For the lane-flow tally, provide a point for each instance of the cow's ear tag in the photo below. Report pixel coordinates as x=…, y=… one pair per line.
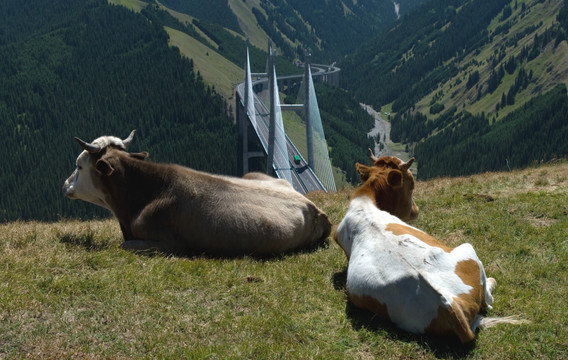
x=394, y=178
x=363, y=171
x=104, y=167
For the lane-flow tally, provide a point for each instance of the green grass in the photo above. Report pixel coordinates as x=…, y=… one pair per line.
x=134, y=5
x=215, y=69
x=68, y=291
x=247, y=21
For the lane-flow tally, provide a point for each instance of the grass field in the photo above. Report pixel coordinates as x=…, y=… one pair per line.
x=134, y=5
x=247, y=21
x=68, y=291
x=215, y=69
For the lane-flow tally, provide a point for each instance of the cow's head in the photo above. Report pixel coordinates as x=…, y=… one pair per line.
x=83, y=183
x=389, y=183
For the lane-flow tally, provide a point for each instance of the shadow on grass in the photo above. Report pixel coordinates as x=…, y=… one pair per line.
x=220, y=255
x=440, y=346
x=88, y=241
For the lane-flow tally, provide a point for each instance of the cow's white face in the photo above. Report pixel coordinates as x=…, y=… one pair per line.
x=82, y=183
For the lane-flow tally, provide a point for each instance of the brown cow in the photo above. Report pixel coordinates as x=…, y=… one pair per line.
x=176, y=209
x=401, y=273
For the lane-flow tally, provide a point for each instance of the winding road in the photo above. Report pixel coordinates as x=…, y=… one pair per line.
x=382, y=128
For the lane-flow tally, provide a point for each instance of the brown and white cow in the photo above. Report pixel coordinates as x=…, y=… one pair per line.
x=401, y=273
x=176, y=209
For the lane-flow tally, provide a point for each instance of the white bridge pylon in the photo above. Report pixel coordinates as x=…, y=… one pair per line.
x=283, y=158
x=321, y=163
x=249, y=97
x=280, y=152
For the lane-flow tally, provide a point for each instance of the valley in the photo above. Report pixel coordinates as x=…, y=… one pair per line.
x=460, y=101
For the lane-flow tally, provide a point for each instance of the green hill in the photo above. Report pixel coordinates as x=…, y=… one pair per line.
x=435, y=69
x=453, y=71
x=90, y=68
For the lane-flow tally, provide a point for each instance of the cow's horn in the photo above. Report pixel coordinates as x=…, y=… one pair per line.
x=372, y=156
x=406, y=165
x=93, y=149
x=126, y=142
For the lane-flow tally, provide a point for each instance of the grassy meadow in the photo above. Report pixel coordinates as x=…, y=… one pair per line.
x=68, y=291
x=215, y=69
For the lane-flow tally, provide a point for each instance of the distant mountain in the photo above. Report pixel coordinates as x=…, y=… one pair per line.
x=451, y=72
x=87, y=68
x=216, y=31
x=329, y=29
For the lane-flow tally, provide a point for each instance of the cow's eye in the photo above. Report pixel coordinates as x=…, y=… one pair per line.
x=79, y=167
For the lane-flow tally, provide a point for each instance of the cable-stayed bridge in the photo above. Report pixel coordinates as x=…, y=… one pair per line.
x=283, y=158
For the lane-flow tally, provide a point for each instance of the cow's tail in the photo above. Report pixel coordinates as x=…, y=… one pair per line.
x=488, y=322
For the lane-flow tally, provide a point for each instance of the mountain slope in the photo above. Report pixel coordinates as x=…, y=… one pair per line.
x=327, y=28
x=84, y=68
x=449, y=61
x=510, y=38
x=216, y=70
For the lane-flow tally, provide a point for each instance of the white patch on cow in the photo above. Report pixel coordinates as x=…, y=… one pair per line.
x=105, y=141
x=410, y=277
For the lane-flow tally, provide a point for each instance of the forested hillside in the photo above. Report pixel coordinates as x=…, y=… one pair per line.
x=538, y=131
x=326, y=28
x=214, y=11
x=85, y=68
x=410, y=59
x=456, y=75
x=469, y=85
x=329, y=29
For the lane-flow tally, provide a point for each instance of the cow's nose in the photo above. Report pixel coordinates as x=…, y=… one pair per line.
x=67, y=190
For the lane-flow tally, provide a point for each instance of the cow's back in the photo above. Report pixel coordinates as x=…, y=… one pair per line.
x=404, y=279
x=232, y=215
x=402, y=273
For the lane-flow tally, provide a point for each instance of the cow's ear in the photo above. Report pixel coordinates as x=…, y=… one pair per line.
x=363, y=171
x=104, y=167
x=140, y=156
x=394, y=179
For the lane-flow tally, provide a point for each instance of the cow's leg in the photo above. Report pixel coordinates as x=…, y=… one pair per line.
x=452, y=319
x=491, y=284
